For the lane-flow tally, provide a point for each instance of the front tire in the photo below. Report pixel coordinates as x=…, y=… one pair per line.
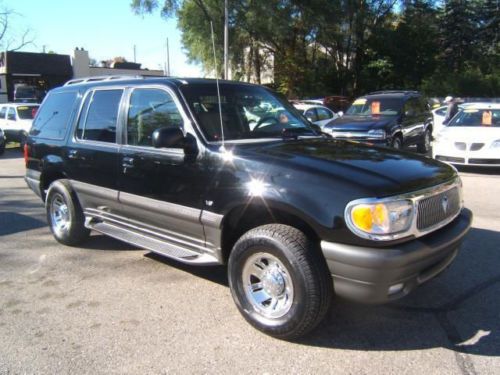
x=425, y=145
x=279, y=281
x=397, y=142
x=65, y=215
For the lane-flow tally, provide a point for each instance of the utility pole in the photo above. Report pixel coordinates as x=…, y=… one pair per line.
x=226, y=41
x=134, y=54
x=168, y=60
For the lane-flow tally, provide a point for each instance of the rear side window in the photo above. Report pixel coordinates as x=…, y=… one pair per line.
x=11, y=114
x=3, y=111
x=52, y=119
x=99, y=115
x=324, y=114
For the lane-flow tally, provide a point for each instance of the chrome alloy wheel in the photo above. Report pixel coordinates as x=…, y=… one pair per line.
x=268, y=285
x=59, y=214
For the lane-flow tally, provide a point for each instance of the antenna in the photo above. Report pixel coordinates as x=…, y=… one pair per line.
x=218, y=90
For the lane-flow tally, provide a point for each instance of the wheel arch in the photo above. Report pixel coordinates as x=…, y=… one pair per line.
x=242, y=218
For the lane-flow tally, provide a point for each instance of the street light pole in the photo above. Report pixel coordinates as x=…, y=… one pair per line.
x=226, y=41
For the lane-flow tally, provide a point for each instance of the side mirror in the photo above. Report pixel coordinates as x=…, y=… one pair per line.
x=340, y=113
x=168, y=137
x=309, y=119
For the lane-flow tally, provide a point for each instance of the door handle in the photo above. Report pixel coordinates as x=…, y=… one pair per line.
x=127, y=162
x=73, y=154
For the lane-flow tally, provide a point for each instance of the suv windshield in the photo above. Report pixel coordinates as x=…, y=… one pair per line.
x=477, y=117
x=248, y=112
x=375, y=106
x=27, y=112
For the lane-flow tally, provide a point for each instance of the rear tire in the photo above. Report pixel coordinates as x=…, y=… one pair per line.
x=23, y=137
x=279, y=281
x=65, y=215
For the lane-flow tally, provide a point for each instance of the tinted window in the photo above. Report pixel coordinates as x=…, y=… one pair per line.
x=412, y=107
x=3, y=112
x=52, y=119
x=150, y=109
x=311, y=115
x=11, y=114
x=98, y=118
x=27, y=112
x=385, y=106
x=323, y=114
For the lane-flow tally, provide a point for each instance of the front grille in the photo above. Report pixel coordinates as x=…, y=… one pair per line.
x=460, y=146
x=450, y=159
x=476, y=146
x=484, y=161
x=437, y=208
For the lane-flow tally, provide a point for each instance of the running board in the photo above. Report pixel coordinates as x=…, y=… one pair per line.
x=152, y=244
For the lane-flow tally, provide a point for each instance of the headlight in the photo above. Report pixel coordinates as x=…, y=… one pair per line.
x=379, y=219
x=496, y=144
x=377, y=134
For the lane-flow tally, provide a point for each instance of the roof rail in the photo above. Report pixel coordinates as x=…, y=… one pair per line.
x=77, y=81
x=393, y=92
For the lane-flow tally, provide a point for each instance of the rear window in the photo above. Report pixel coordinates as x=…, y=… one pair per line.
x=27, y=112
x=52, y=119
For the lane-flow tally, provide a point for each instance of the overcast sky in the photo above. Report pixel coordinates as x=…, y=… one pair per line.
x=105, y=28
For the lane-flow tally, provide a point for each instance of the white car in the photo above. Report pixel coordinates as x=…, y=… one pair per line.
x=317, y=114
x=16, y=119
x=438, y=116
x=472, y=137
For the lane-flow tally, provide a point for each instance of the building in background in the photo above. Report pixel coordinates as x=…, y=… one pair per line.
x=27, y=76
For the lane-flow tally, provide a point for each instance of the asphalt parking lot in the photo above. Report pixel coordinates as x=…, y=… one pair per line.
x=107, y=307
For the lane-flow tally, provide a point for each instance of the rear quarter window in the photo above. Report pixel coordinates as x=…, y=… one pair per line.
x=52, y=119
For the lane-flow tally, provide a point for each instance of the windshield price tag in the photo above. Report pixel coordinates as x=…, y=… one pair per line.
x=359, y=102
x=486, y=118
x=375, y=108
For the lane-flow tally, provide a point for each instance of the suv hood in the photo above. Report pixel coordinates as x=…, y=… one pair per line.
x=359, y=123
x=376, y=171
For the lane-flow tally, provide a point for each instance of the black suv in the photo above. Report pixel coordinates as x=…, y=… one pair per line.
x=171, y=166
x=388, y=118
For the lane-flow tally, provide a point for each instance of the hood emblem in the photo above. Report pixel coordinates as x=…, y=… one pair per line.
x=444, y=203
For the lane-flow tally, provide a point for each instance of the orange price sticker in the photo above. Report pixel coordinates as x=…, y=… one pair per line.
x=375, y=108
x=486, y=118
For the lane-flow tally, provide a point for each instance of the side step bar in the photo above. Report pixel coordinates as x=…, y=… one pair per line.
x=152, y=244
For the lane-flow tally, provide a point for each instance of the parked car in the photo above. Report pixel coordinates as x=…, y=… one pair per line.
x=16, y=120
x=315, y=113
x=296, y=215
x=472, y=137
x=337, y=103
x=388, y=118
x=2, y=142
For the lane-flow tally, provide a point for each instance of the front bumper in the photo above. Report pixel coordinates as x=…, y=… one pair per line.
x=379, y=275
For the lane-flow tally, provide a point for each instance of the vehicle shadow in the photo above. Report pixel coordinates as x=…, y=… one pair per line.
x=11, y=153
x=18, y=223
x=458, y=310
x=216, y=274
x=479, y=170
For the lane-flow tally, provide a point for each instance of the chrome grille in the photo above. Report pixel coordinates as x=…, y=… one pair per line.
x=437, y=208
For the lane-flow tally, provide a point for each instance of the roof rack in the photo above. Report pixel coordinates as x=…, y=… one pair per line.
x=393, y=92
x=77, y=81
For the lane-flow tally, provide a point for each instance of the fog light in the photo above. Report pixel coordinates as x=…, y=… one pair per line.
x=396, y=288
